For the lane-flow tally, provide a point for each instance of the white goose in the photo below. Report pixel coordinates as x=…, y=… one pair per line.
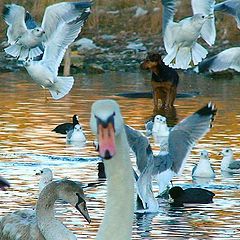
x=107, y=124
x=40, y=224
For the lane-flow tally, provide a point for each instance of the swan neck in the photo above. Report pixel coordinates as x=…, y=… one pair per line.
x=119, y=209
x=48, y=225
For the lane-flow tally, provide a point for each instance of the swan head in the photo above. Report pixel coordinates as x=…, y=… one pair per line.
x=72, y=193
x=226, y=152
x=106, y=123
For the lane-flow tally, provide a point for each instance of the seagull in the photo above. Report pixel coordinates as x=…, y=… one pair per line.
x=168, y=164
x=228, y=163
x=203, y=169
x=180, y=38
x=76, y=135
x=25, y=38
x=230, y=7
x=227, y=59
x=159, y=130
x=65, y=127
x=45, y=71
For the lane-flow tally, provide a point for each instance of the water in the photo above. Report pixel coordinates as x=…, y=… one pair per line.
x=28, y=144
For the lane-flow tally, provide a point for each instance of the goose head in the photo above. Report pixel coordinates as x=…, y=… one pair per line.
x=72, y=193
x=106, y=123
x=75, y=119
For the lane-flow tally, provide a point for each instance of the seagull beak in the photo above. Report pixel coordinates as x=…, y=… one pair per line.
x=106, y=138
x=82, y=208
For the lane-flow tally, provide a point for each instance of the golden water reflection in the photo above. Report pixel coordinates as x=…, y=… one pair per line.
x=28, y=144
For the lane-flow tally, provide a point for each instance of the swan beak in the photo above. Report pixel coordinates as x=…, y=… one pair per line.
x=82, y=208
x=106, y=139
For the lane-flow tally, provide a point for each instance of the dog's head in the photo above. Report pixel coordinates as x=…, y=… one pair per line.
x=151, y=61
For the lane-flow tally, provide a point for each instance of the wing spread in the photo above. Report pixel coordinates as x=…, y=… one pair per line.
x=58, y=13
x=168, y=12
x=62, y=37
x=208, y=31
x=14, y=16
x=184, y=135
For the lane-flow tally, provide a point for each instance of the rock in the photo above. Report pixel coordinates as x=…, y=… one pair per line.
x=140, y=12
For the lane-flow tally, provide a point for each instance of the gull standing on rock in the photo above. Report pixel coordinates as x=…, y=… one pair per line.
x=180, y=38
x=45, y=71
x=25, y=41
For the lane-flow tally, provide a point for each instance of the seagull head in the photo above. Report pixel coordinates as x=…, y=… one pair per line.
x=204, y=154
x=78, y=127
x=160, y=119
x=200, y=19
x=38, y=32
x=226, y=152
x=27, y=62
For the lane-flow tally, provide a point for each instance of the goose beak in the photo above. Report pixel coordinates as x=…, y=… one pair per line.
x=82, y=208
x=106, y=138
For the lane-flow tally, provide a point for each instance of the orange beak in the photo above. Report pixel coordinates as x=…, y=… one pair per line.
x=106, y=138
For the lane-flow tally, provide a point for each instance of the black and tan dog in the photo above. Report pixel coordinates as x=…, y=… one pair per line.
x=164, y=80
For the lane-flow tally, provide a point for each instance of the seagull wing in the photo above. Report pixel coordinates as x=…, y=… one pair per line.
x=208, y=31
x=184, y=135
x=229, y=58
x=140, y=145
x=29, y=21
x=62, y=37
x=14, y=16
x=65, y=12
x=168, y=12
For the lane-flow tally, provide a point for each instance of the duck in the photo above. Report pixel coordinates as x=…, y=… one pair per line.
x=46, y=176
x=228, y=163
x=41, y=224
x=203, y=168
x=107, y=125
x=190, y=195
x=66, y=127
x=76, y=135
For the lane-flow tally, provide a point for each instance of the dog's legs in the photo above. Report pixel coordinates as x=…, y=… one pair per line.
x=155, y=100
x=173, y=95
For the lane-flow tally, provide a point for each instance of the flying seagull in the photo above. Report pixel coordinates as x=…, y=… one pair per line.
x=166, y=165
x=180, y=38
x=26, y=38
x=45, y=71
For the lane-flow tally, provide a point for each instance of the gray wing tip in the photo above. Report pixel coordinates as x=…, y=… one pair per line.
x=6, y=10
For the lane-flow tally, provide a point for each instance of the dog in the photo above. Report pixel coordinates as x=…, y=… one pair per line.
x=164, y=80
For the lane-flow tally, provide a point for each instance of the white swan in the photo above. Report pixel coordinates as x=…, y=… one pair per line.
x=107, y=123
x=41, y=224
